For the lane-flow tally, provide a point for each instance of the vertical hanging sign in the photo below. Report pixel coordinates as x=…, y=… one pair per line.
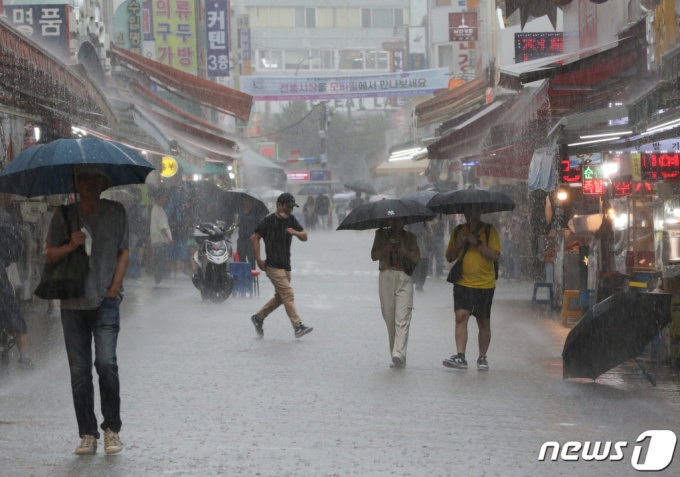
x=217, y=29
x=244, y=47
x=174, y=27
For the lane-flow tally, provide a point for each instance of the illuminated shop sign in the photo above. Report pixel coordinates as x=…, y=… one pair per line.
x=593, y=180
x=660, y=166
x=529, y=46
x=623, y=188
x=570, y=171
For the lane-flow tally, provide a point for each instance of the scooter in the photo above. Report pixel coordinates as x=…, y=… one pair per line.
x=212, y=257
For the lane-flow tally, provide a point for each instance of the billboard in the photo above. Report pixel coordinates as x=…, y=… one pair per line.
x=174, y=30
x=127, y=25
x=417, y=48
x=217, y=30
x=47, y=25
x=244, y=46
x=292, y=88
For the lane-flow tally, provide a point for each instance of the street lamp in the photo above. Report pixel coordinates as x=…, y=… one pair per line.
x=300, y=63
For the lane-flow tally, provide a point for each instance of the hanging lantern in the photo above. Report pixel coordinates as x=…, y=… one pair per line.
x=562, y=3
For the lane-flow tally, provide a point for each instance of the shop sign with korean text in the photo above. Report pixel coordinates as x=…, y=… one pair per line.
x=320, y=175
x=244, y=45
x=217, y=29
x=463, y=26
x=292, y=88
x=47, y=25
x=127, y=25
x=593, y=179
x=298, y=176
x=530, y=46
x=174, y=29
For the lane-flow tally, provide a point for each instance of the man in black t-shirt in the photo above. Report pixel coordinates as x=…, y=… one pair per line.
x=277, y=230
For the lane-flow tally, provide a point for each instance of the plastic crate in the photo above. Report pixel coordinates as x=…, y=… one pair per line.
x=586, y=297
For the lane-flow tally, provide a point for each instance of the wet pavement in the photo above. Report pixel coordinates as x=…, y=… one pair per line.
x=202, y=395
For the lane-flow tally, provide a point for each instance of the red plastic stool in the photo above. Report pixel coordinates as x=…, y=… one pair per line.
x=236, y=259
x=256, y=282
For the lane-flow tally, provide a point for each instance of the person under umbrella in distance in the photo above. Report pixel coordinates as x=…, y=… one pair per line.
x=398, y=254
x=473, y=292
x=323, y=211
x=277, y=230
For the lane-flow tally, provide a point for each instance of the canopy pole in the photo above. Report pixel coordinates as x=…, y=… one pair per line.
x=651, y=380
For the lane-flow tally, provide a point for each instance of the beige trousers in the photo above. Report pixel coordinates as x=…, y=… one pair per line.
x=396, y=303
x=283, y=295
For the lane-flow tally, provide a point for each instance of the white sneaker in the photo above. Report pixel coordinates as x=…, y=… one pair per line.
x=88, y=445
x=112, y=443
x=398, y=360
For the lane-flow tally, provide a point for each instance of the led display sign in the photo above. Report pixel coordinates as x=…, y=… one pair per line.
x=623, y=188
x=660, y=166
x=570, y=171
x=593, y=179
x=529, y=46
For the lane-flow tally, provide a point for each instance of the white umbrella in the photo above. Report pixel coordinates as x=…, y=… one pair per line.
x=342, y=197
x=271, y=194
x=378, y=197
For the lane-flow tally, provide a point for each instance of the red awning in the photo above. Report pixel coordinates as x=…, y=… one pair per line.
x=36, y=77
x=510, y=162
x=205, y=92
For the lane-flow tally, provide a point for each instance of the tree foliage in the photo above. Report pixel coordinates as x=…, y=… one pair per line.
x=348, y=139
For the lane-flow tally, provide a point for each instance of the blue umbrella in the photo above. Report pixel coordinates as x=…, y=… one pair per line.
x=47, y=169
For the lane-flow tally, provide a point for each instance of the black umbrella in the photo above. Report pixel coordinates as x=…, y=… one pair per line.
x=422, y=196
x=237, y=197
x=313, y=190
x=456, y=201
x=517, y=194
x=614, y=331
x=361, y=186
x=375, y=215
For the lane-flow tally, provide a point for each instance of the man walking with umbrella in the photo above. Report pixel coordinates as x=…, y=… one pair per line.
x=96, y=314
x=278, y=230
x=478, y=246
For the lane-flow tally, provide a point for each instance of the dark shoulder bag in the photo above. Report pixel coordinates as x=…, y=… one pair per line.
x=456, y=272
x=487, y=229
x=66, y=278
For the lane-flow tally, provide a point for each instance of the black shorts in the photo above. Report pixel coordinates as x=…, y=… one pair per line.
x=475, y=300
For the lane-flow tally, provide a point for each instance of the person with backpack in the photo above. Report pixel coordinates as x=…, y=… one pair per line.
x=477, y=246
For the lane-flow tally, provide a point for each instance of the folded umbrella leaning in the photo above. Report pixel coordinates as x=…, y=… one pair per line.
x=375, y=215
x=455, y=202
x=47, y=169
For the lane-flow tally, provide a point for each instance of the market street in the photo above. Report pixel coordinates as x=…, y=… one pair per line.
x=202, y=395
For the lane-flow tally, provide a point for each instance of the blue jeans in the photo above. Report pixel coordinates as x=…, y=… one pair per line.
x=80, y=326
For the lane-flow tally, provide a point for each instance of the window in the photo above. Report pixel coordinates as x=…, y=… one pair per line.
x=398, y=17
x=298, y=60
x=382, y=18
x=310, y=21
x=365, y=18
x=299, y=17
x=327, y=59
x=446, y=57
x=305, y=17
x=351, y=59
x=271, y=59
x=383, y=60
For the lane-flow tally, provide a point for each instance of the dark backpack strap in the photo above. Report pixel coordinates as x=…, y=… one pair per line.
x=67, y=221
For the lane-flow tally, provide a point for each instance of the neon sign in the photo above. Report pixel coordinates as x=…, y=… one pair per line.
x=660, y=166
x=529, y=46
x=593, y=180
x=569, y=173
x=623, y=188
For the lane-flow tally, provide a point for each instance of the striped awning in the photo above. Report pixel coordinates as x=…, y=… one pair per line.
x=203, y=91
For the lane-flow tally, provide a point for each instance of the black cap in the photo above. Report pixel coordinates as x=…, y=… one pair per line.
x=287, y=198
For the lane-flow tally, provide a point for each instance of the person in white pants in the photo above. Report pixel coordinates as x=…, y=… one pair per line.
x=397, y=251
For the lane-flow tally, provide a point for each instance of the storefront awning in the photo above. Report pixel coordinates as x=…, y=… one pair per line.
x=251, y=159
x=203, y=91
x=402, y=167
x=39, y=82
x=454, y=102
x=207, y=169
x=510, y=162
